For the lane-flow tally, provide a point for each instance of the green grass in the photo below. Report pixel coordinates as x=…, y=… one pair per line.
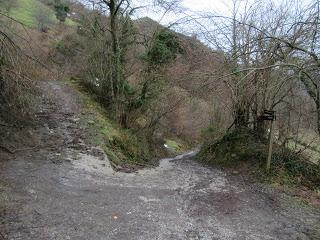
x=26, y=11
x=69, y=22
x=175, y=146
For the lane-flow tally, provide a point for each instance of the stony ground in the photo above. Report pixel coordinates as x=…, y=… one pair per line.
x=66, y=189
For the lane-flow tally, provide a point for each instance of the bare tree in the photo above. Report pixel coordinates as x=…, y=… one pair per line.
x=268, y=49
x=302, y=41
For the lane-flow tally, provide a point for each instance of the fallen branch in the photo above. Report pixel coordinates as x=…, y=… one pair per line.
x=2, y=237
x=6, y=149
x=115, y=166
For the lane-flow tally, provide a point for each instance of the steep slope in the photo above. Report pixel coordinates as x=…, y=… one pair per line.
x=185, y=77
x=30, y=12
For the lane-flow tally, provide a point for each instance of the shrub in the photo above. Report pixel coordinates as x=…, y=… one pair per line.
x=212, y=133
x=296, y=167
x=239, y=145
x=62, y=10
x=164, y=49
x=244, y=147
x=16, y=90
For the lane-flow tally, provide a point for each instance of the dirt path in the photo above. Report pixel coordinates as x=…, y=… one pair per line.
x=66, y=189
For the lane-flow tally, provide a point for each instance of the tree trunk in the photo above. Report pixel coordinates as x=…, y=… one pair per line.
x=261, y=128
x=318, y=113
x=240, y=116
x=115, y=48
x=117, y=79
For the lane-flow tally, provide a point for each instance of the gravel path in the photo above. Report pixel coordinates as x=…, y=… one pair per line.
x=66, y=189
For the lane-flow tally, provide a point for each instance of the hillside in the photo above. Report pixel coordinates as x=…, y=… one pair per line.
x=30, y=12
x=193, y=108
x=184, y=80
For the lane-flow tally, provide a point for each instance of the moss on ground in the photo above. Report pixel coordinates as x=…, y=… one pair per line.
x=243, y=148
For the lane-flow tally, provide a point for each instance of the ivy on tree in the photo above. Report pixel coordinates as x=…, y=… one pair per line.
x=164, y=49
x=62, y=10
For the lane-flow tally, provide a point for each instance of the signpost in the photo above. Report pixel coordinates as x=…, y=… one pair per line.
x=269, y=116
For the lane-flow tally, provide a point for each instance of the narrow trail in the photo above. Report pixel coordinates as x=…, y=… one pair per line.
x=66, y=189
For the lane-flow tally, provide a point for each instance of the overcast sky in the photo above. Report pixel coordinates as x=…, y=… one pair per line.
x=192, y=8
x=187, y=8
x=219, y=6
x=208, y=5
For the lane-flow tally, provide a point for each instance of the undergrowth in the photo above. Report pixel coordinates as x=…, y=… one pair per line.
x=243, y=149
x=17, y=90
x=123, y=146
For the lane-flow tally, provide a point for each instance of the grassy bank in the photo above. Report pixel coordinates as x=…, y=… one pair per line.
x=243, y=150
x=26, y=12
x=124, y=148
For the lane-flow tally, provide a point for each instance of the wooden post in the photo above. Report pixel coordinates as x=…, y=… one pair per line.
x=270, y=146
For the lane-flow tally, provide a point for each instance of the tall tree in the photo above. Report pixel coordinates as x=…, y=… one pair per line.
x=112, y=29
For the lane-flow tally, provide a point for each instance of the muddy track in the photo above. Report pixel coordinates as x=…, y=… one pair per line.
x=66, y=189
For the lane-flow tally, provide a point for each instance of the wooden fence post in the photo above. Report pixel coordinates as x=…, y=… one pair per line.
x=270, y=146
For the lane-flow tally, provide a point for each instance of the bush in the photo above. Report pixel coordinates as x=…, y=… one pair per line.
x=298, y=169
x=244, y=147
x=164, y=49
x=212, y=133
x=129, y=149
x=62, y=10
x=16, y=90
x=69, y=46
x=239, y=145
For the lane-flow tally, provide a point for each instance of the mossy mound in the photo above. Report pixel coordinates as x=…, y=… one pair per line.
x=243, y=148
x=239, y=145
